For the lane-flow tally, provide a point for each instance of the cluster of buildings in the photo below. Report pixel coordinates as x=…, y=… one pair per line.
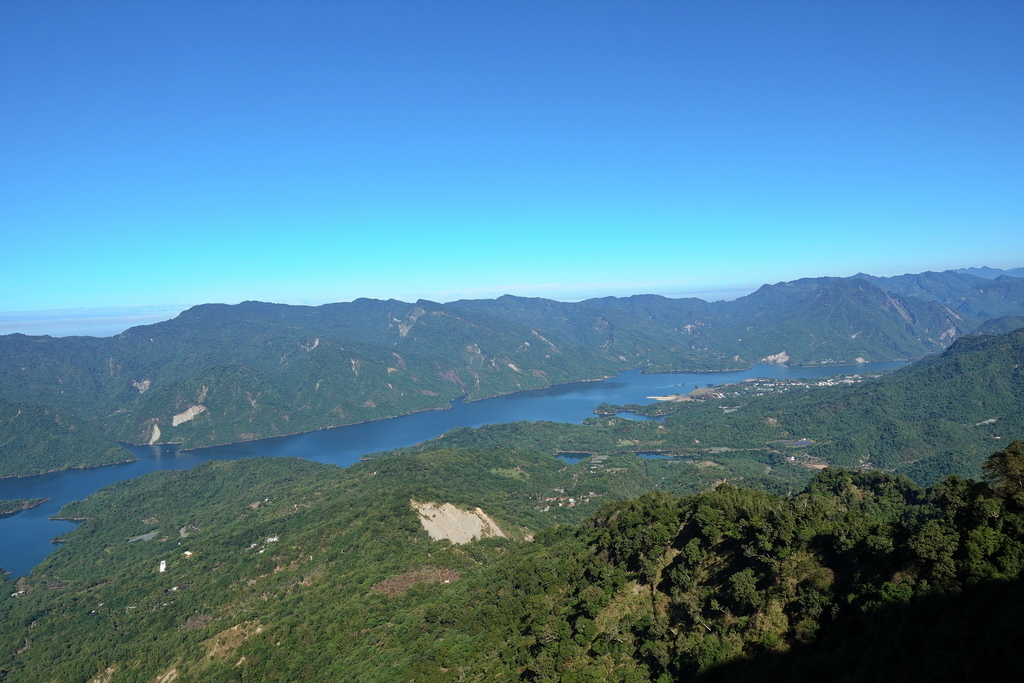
x=565, y=501
x=759, y=386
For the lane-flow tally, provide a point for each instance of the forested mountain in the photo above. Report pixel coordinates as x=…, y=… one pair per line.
x=810, y=322
x=1000, y=325
x=34, y=439
x=220, y=373
x=941, y=415
x=961, y=292
x=284, y=570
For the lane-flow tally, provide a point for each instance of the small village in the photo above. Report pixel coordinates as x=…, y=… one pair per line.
x=564, y=500
x=756, y=386
x=760, y=386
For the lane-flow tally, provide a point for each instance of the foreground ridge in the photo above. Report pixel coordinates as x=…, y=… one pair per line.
x=290, y=568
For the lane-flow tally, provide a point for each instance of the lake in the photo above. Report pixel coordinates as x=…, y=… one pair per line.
x=25, y=537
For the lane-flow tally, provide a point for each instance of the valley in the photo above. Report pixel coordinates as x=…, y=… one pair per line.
x=24, y=540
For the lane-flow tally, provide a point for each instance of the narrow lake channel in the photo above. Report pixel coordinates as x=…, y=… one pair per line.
x=25, y=538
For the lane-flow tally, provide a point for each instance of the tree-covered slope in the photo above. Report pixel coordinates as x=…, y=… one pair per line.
x=938, y=416
x=648, y=331
x=1002, y=325
x=973, y=297
x=224, y=373
x=283, y=570
x=35, y=440
x=834, y=320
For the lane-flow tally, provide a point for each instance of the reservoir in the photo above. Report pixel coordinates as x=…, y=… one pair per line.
x=25, y=538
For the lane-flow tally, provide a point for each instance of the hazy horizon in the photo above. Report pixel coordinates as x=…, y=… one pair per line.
x=111, y=320
x=107, y=321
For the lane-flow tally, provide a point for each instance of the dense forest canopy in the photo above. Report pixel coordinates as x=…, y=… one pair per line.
x=271, y=569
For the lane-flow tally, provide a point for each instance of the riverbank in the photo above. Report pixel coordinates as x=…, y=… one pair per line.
x=464, y=398
x=13, y=507
x=71, y=468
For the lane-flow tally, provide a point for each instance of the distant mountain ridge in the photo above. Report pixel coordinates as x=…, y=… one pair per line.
x=991, y=273
x=220, y=373
x=1001, y=295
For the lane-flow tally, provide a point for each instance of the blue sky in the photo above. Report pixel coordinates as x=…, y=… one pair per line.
x=160, y=154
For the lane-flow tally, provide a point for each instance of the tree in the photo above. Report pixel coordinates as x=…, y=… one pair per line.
x=1005, y=470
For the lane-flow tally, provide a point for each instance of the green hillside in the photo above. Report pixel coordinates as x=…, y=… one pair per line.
x=35, y=440
x=1002, y=325
x=284, y=570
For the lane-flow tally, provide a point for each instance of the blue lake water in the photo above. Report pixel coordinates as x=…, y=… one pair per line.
x=658, y=456
x=25, y=537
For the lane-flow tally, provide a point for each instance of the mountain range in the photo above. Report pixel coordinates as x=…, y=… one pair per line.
x=220, y=373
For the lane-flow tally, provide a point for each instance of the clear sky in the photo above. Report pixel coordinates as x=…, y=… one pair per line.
x=155, y=154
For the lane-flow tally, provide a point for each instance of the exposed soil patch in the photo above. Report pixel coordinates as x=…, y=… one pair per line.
x=398, y=585
x=458, y=526
x=104, y=677
x=197, y=621
x=229, y=640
